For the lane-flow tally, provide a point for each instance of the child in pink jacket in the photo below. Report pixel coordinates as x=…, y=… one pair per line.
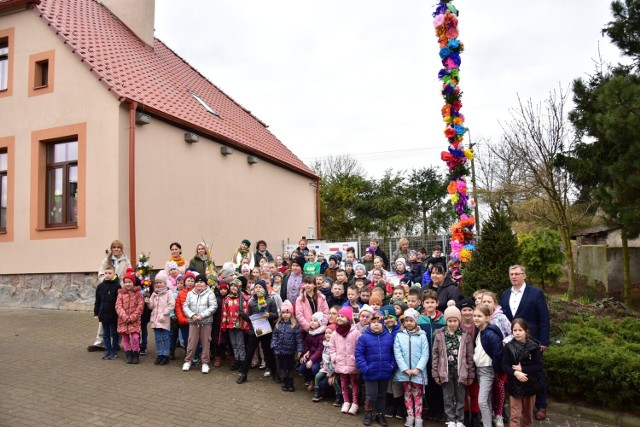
x=161, y=304
x=342, y=349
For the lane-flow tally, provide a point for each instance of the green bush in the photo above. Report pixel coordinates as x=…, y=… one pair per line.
x=597, y=361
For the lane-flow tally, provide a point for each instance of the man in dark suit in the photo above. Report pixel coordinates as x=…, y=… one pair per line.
x=529, y=303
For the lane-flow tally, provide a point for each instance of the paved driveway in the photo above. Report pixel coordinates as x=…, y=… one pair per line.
x=47, y=377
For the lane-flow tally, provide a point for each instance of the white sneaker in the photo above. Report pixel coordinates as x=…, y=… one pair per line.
x=354, y=409
x=345, y=407
x=409, y=422
x=498, y=421
x=186, y=366
x=267, y=373
x=459, y=424
x=452, y=424
x=205, y=368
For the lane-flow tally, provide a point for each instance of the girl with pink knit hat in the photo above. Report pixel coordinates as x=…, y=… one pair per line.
x=342, y=349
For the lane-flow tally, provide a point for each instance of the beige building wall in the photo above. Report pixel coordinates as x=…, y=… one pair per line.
x=77, y=98
x=185, y=192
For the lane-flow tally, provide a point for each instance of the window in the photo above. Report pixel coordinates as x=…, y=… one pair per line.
x=58, y=182
x=6, y=62
x=41, y=73
x=204, y=104
x=4, y=188
x=41, y=78
x=7, y=173
x=62, y=184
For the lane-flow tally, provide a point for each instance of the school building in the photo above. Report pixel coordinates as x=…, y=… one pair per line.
x=106, y=133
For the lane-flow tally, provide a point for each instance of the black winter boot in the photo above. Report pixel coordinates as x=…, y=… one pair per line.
x=242, y=378
x=290, y=386
x=158, y=360
x=135, y=357
x=317, y=394
x=276, y=377
x=129, y=356
x=368, y=417
x=475, y=419
x=381, y=420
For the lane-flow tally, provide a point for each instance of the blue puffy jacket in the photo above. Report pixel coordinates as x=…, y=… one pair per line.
x=411, y=352
x=374, y=355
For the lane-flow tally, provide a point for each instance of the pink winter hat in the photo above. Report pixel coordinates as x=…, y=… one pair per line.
x=347, y=312
x=286, y=306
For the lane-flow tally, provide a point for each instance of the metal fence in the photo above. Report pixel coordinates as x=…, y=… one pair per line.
x=390, y=245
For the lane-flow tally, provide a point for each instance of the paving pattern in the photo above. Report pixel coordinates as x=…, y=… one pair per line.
x=48, y=378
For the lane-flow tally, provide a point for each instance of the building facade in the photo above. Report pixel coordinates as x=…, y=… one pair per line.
x=106, y=133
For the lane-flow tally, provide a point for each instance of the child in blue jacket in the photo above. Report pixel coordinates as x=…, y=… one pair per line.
x=376, y=363
x=286, y=342
x=411, y=350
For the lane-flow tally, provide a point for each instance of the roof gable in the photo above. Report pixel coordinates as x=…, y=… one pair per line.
x=158, y=79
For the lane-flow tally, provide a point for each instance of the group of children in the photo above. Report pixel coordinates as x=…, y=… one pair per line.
x=339, y=334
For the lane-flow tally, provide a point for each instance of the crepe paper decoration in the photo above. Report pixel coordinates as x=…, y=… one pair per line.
x=445, y=22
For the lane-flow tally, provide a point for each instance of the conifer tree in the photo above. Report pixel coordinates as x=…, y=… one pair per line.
x=496, y=251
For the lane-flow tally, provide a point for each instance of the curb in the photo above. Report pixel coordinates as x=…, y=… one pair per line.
x=604, y=416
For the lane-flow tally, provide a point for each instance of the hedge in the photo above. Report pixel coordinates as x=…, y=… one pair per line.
x=596, y=361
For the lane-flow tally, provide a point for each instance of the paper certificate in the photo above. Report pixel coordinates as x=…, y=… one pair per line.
x=261, y=325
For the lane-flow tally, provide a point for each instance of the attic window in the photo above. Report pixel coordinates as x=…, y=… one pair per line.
x=204, y=104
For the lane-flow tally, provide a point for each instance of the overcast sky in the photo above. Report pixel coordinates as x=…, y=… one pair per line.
x=360, y=76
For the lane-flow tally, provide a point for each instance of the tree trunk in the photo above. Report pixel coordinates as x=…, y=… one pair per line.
x=626, y=267
x=568, y=256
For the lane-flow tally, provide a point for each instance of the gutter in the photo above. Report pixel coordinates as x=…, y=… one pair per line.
x=132, y=180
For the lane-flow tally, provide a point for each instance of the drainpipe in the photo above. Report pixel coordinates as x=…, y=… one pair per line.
x=132, y=180
x=319, y=233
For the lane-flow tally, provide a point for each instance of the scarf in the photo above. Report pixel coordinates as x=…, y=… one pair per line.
x=179, y=260
x=316, y=331
x=343, y=330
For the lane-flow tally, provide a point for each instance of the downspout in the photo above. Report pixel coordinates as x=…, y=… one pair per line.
x=132, y=180
x=319, y=233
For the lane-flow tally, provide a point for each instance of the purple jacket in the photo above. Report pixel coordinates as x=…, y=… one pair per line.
x=313, y=345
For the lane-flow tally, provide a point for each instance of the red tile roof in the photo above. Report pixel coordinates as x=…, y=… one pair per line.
x=158, y=79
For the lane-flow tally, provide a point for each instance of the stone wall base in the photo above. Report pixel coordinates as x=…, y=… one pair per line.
x=58, y=291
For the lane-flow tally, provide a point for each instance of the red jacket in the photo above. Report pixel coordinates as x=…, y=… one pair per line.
x=231, y=308
x=180, y=299
x=129, y=306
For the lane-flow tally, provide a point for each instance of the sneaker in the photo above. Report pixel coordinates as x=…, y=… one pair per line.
x=459, y=424
x=205, y=368
x=143, y=351
x=267, y=373
x=263, y=365
x=195, y=360
x=353, y=409
x=498, y=421
x=113, y=356
x=452, y=424
x=186, y=366
x=391, y=412
x=106, y=356
x=345, y=407
x=338, y=401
